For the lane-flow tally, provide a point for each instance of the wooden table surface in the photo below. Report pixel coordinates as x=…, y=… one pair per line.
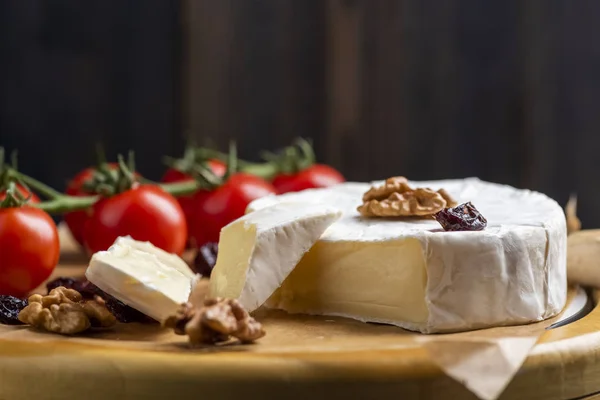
x=301, y=357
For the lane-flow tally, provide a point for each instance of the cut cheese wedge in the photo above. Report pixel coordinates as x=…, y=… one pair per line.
x=410, y=273
x=142, y=276
x=258, y=251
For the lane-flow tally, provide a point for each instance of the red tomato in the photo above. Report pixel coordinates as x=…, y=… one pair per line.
x=24, y=192
x=214, y=209
x=315, y=176
x=187, y=202
x=146, y=213
x=29, y=249
x=76, y=220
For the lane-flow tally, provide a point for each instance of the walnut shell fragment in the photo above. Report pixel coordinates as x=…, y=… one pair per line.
x=63, y=311
x=215, y=321
x=395, y=198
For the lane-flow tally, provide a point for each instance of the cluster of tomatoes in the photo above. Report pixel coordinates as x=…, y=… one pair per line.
x=29, y=245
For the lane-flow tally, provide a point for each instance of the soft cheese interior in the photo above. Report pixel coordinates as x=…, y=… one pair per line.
x=410, y=273
x=258, y=251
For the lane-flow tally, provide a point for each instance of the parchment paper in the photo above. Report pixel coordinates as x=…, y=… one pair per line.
x=484, y=361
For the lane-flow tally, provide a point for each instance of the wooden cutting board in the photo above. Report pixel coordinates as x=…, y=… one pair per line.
x=301, y=357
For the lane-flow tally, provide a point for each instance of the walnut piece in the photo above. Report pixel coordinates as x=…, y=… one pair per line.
x=450, y=202
x=98, y=314
x=395, y=198
x=64, y=311
x=215, y=321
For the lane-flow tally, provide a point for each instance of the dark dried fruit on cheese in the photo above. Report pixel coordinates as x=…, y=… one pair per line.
x=10, y=307
x=205, y=260
x=463, y=217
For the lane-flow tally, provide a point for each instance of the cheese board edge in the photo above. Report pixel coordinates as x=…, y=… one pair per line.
x=561, y=366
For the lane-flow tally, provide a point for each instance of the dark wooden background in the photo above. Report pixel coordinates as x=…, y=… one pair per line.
x=504, y=90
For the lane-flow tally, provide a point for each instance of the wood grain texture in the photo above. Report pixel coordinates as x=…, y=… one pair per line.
x=255, y=71
x=208, y=37
x=428, y=90
x=503, y=91
x=75, y=73
x=301, y=356
x=344, y=94
x=592, y=397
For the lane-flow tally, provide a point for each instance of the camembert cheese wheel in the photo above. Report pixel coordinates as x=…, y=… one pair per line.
x=413, y=274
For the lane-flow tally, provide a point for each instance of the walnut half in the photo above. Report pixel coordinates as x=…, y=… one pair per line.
x=64, y=311
x=395, y=198
x=216, y=320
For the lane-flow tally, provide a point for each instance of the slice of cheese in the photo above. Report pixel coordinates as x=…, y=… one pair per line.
x=412, y=274
x=164, y=257
x=258, y=251
x=142, y=276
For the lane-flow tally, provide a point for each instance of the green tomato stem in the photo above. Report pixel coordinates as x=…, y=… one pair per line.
x=12, y=198
x=178, y=189
x=232, y=161
x=267, y=170
x=308, y=152
x=64, y=204
x=14, y=160
x=39, y=187
x=59, y=203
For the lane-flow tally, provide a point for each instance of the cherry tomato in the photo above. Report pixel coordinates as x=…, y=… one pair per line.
x=174, y=175
x=76, y=220
x=187, y=202
x=315, y=176
x=145, y=212
x=214, y=209
x=29, y=249
x=25, y=193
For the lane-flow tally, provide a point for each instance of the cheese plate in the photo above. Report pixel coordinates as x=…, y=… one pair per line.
x=352, y=303
x=301, y=356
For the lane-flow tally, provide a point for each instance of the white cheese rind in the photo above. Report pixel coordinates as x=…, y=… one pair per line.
x=142, y=276
x=259, y=250
x=513, y=272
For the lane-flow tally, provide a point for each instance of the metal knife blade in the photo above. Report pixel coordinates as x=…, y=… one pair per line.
x=580, y=306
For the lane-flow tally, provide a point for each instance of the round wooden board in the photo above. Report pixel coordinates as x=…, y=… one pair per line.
x=301, y=357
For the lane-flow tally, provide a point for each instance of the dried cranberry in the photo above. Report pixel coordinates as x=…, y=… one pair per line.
x=463, y=217
x=68, y=283
x=122, y=312
x=206, y=258
x=10, y=307
x=87, y=289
